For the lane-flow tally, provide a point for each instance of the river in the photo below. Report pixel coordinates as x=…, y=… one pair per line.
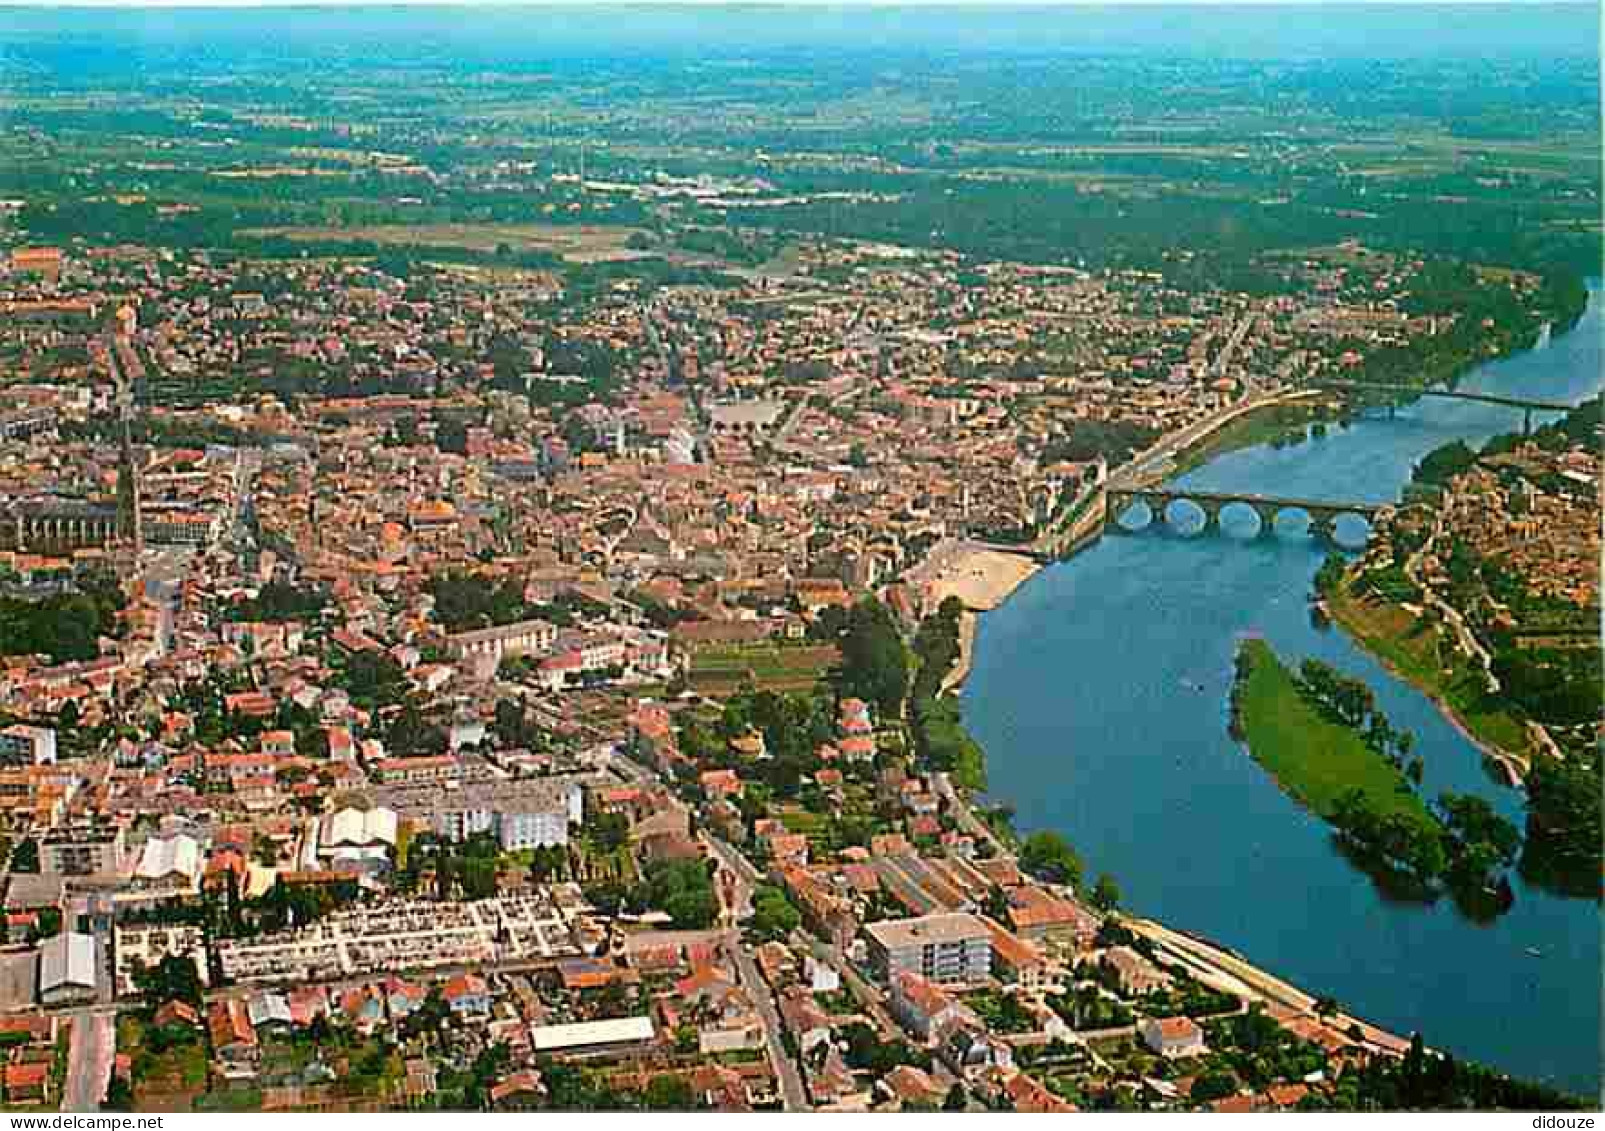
x=1099, y=692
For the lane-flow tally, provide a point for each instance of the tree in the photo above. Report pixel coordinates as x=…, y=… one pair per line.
x=1106, y=893
x=1474, y=821
x=373, y=678
x=172, y=979
x=773, y=916
x=47, y=926
x=683, y=889
x=956, y=1100
x=264, y=851
x=874, y=663
x=609, y=831
x=669, y=1093
x=1048, y=856
x=119, y=1095
x=1213, y=1086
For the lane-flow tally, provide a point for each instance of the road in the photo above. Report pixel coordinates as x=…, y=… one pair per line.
x=1156, y=460
x=89, y=1060
x=747, y=877
x=873, y=1001
x=792, y=1092
x=966, y=816
x=1254, y=984
x=1468, y=642
x=1157, y=463
x=1227, y=355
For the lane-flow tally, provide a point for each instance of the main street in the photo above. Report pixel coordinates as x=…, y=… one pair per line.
x=746, y=879
x=90, y=1056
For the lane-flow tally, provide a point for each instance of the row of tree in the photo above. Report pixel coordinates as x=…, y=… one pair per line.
x=1351, y=703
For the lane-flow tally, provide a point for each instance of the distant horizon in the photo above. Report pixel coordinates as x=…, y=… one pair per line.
x=225, y=5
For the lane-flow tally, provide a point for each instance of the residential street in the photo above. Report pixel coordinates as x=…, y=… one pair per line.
x=791, y=1084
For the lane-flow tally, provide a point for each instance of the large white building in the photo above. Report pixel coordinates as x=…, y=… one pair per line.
x=583, y=1038
x=356, y=840
x=519, y=813
x=68, y=969
x=948, y=948
x=169, y=862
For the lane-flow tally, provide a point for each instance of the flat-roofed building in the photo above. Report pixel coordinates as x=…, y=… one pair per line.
x=591, y=1038
x=67, y=969
x=520, y=813
x=81, y=850
x=523, y=638
x=949, y=948
x=19, y=980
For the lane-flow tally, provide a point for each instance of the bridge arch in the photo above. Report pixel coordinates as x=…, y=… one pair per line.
x=1325, y=520
x=1120, y=506
x=1176, y=513
x=1264, y=520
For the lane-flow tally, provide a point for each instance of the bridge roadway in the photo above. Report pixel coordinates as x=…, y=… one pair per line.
x=1526, y=403
x=1323, y=513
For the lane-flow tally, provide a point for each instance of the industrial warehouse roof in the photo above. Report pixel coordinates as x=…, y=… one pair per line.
x=356, y=828
x=177, y=856
x=67, y=959
x=587, y=1034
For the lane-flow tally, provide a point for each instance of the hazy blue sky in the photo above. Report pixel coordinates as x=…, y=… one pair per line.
x=208, y=34
x=745, y=3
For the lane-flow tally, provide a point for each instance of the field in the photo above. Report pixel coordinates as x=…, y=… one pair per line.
x=830, y=832
x=578, y=243
x=723, y=669
x=1314, y=760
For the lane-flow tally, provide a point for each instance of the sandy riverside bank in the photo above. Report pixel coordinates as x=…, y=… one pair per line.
x=981, y=577
x=968, y=622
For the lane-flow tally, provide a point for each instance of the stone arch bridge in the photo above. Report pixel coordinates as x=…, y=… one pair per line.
x=1323, y=513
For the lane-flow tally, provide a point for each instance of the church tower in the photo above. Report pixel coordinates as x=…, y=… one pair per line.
x=130, y=530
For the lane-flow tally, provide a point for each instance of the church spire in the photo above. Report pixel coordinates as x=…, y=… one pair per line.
x=130, y=529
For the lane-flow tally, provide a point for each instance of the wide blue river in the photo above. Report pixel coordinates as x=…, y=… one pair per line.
x=1099, y=692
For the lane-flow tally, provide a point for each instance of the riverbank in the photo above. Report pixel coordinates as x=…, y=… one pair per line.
x=968, y=624
x=1268, y=424
x=1083, y=689
x=1410, y=650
